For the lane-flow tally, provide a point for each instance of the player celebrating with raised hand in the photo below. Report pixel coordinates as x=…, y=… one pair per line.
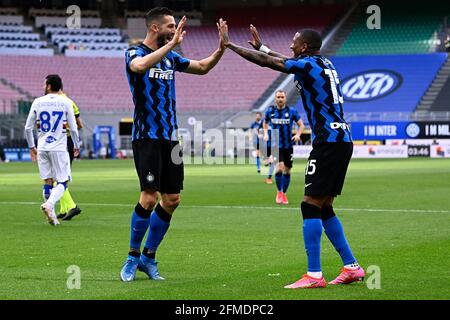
x=281, y=118
x=318, y=83
x=150, y=67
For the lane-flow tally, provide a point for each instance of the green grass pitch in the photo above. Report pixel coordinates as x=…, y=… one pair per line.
x=228, y=239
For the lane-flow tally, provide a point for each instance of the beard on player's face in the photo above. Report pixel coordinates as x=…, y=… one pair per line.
x=297, y=45
x=281, y=102
x=164, y=38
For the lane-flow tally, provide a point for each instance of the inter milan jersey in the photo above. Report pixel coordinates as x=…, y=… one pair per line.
x=154, y=95
x=281, y=121
x=318, y=83
x=256, y=126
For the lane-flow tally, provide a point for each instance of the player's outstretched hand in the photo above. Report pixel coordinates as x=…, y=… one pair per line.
x=179, y=33
x=256, y=42
x=223, y=32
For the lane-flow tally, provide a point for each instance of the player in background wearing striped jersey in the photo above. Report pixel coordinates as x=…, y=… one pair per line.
x=150, y=68
x=318, y=83
x=281, y=118
x=255, y=132
x=51, y=114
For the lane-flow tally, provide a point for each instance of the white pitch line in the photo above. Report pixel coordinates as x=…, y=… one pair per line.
x=241, y=207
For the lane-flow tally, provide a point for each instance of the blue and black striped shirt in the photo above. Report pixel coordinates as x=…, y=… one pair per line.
x=319, y=87
x=154, y=95
x=281, y=120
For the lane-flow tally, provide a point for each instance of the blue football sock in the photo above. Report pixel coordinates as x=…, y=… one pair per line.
x=279, y=180
x=271, y=167
x=335, y=232
x=258, y=163
x=312, y=232
x=159, y=223
x=140, y=220
x=286, y=182
x=46, y=190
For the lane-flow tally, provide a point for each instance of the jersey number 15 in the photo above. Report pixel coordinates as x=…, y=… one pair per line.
x=334, y=81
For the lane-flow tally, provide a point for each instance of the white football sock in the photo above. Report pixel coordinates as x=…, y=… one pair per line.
x=352, y=266
x=56, y=194
x=317, y=275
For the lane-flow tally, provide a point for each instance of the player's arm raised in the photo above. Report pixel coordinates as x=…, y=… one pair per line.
x=205, y=65
x=257, y=57
x=257, y=44
x=142, y=64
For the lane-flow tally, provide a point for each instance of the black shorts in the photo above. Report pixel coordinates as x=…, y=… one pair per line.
x=256, y=142
x=285, y=155
x=70, y=149
x=155, y=167
x=326, y=168
x=267, y=151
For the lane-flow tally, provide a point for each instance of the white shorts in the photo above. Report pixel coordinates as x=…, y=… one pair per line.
x=54, y=165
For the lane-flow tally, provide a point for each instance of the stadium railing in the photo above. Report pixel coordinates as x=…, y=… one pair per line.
x=35, y=12
x=16, y=29
x=11, y=20
x=49, y=31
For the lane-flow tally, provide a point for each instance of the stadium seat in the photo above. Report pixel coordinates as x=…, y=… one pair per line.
x=411, y=31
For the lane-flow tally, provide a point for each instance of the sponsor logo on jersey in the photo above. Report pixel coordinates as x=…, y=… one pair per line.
x=337, y=125
x=281, y=121
x=50, y=139
x=157, y=73
x=370, y=85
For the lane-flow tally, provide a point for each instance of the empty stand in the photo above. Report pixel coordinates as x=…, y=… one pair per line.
x=15, y=38
x=11, y=20
x=101, y=84
x=403, y=30
x=234, y=83
x=94, y=83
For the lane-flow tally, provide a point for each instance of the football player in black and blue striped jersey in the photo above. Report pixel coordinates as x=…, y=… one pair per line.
x=150, y=68
x=256, y=127
x=281, y=119
x=318, y=83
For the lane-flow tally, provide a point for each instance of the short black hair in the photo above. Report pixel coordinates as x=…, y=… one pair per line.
x=312, y=38
x=54, y=81
x=156, y=14
x=259, y=112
